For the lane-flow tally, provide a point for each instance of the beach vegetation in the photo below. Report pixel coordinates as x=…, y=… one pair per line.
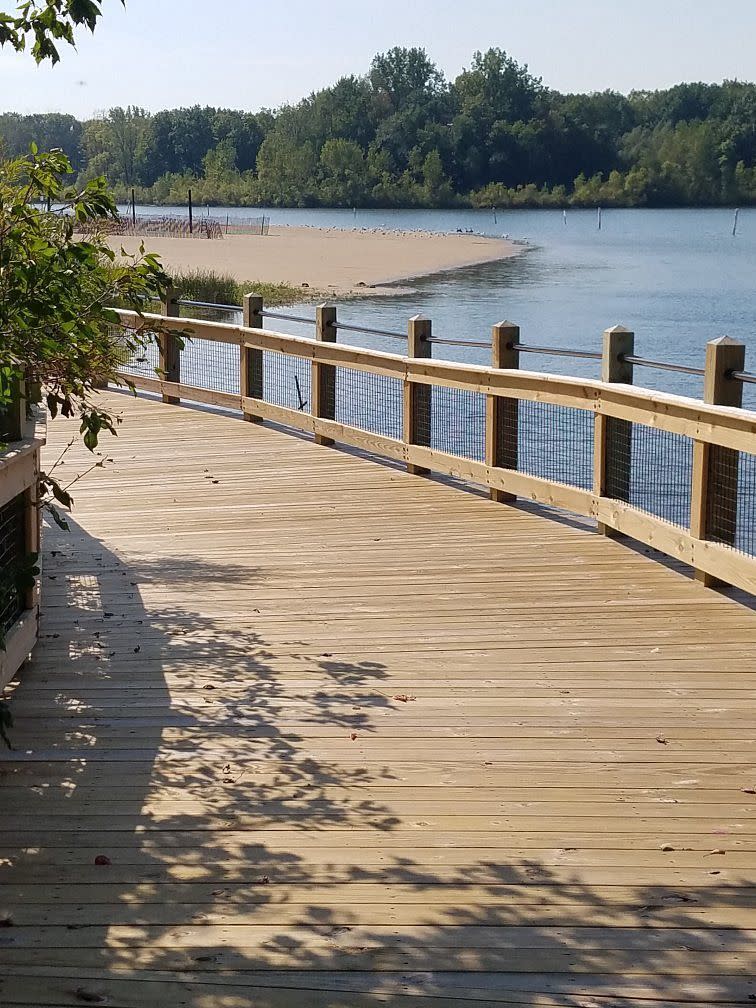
x=222, y=288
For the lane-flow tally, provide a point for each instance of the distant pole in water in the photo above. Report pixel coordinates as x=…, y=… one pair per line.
x=599, y=218
x=564, y=216
x=735, y=222
x=495, y=220
x=191, y=220
x=133, y=209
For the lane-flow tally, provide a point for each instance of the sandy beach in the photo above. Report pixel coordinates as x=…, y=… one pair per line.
x=327, y=259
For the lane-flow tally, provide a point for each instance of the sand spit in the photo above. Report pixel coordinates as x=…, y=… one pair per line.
x=328, y=259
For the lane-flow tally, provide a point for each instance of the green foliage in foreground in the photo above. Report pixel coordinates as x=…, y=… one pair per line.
x=402, y=135
x=58, y=337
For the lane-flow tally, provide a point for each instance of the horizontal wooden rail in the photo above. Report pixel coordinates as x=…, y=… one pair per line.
x=614, y=402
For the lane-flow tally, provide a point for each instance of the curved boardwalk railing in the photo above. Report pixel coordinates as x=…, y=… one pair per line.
x=676, y=473
x=19, y=543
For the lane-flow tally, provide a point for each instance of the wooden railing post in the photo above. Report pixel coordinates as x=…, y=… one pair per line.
x=502, y=415
x=250, y=358
x=417, y=397
x=323, y=388
x=706, y=522
x=170, y=354
x=612, y=438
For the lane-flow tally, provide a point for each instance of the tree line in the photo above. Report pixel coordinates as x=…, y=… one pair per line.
x=404, y=136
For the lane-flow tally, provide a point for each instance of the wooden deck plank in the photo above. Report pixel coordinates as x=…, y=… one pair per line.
x=349, y=737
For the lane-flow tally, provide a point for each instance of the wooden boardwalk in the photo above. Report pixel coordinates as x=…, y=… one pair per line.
x=342, y=736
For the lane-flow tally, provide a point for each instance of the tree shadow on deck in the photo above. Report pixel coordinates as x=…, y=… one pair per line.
x=210, y=806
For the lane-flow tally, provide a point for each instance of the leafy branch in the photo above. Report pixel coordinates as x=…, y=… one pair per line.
x=46, y=24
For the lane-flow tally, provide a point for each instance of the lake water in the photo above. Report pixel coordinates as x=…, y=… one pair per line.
x=677, y=278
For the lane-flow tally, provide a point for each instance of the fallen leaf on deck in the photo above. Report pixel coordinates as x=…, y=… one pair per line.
x=102, y=859
x=91, y=997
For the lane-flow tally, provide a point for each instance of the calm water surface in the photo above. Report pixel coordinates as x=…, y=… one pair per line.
x=676, y=277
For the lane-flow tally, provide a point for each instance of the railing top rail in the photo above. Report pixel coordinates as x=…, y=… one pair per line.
x=730, y=426
x=551, y=351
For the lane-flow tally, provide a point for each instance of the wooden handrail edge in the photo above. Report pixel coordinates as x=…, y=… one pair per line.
x=727, y=426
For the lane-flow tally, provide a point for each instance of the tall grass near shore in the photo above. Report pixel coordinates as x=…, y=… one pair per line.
x=222, y=288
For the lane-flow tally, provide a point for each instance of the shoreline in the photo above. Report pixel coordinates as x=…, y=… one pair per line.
x=333, y=260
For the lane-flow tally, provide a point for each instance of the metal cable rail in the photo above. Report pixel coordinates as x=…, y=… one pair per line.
x=460, y=342
x=555, y=351
x=742, y=376
x=288, y=318
x=372, y=332
x=662, y=365
x=208, y=304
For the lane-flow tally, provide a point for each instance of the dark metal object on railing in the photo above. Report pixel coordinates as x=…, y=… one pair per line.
x=743, y=376
x=288, y=318
x=371, y=332
x=556, y=351
x=208, y=304
x=662, y=365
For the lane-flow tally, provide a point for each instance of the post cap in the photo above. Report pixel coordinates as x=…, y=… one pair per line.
x=726, y=341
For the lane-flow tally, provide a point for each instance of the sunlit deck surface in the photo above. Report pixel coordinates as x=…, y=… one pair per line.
x=349, y=737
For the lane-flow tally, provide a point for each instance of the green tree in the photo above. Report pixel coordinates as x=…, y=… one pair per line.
x=345, y=177
x=47, y=23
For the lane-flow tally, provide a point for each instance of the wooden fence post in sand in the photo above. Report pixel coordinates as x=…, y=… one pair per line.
x=323, y=391
x=502, y=415
x=250, y=358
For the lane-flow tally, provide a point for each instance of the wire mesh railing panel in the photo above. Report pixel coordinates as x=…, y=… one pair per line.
x=731, y=517
x=207, y=364
x=144, y=361
x=651, y=469
x=12, y=556
x=370, y=402
x=555, y=443
x=287, y=380
x=458, y=422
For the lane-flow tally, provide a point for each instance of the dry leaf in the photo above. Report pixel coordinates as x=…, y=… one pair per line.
x=91, y=997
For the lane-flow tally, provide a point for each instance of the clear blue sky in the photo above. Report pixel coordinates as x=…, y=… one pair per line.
x=249, y=55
